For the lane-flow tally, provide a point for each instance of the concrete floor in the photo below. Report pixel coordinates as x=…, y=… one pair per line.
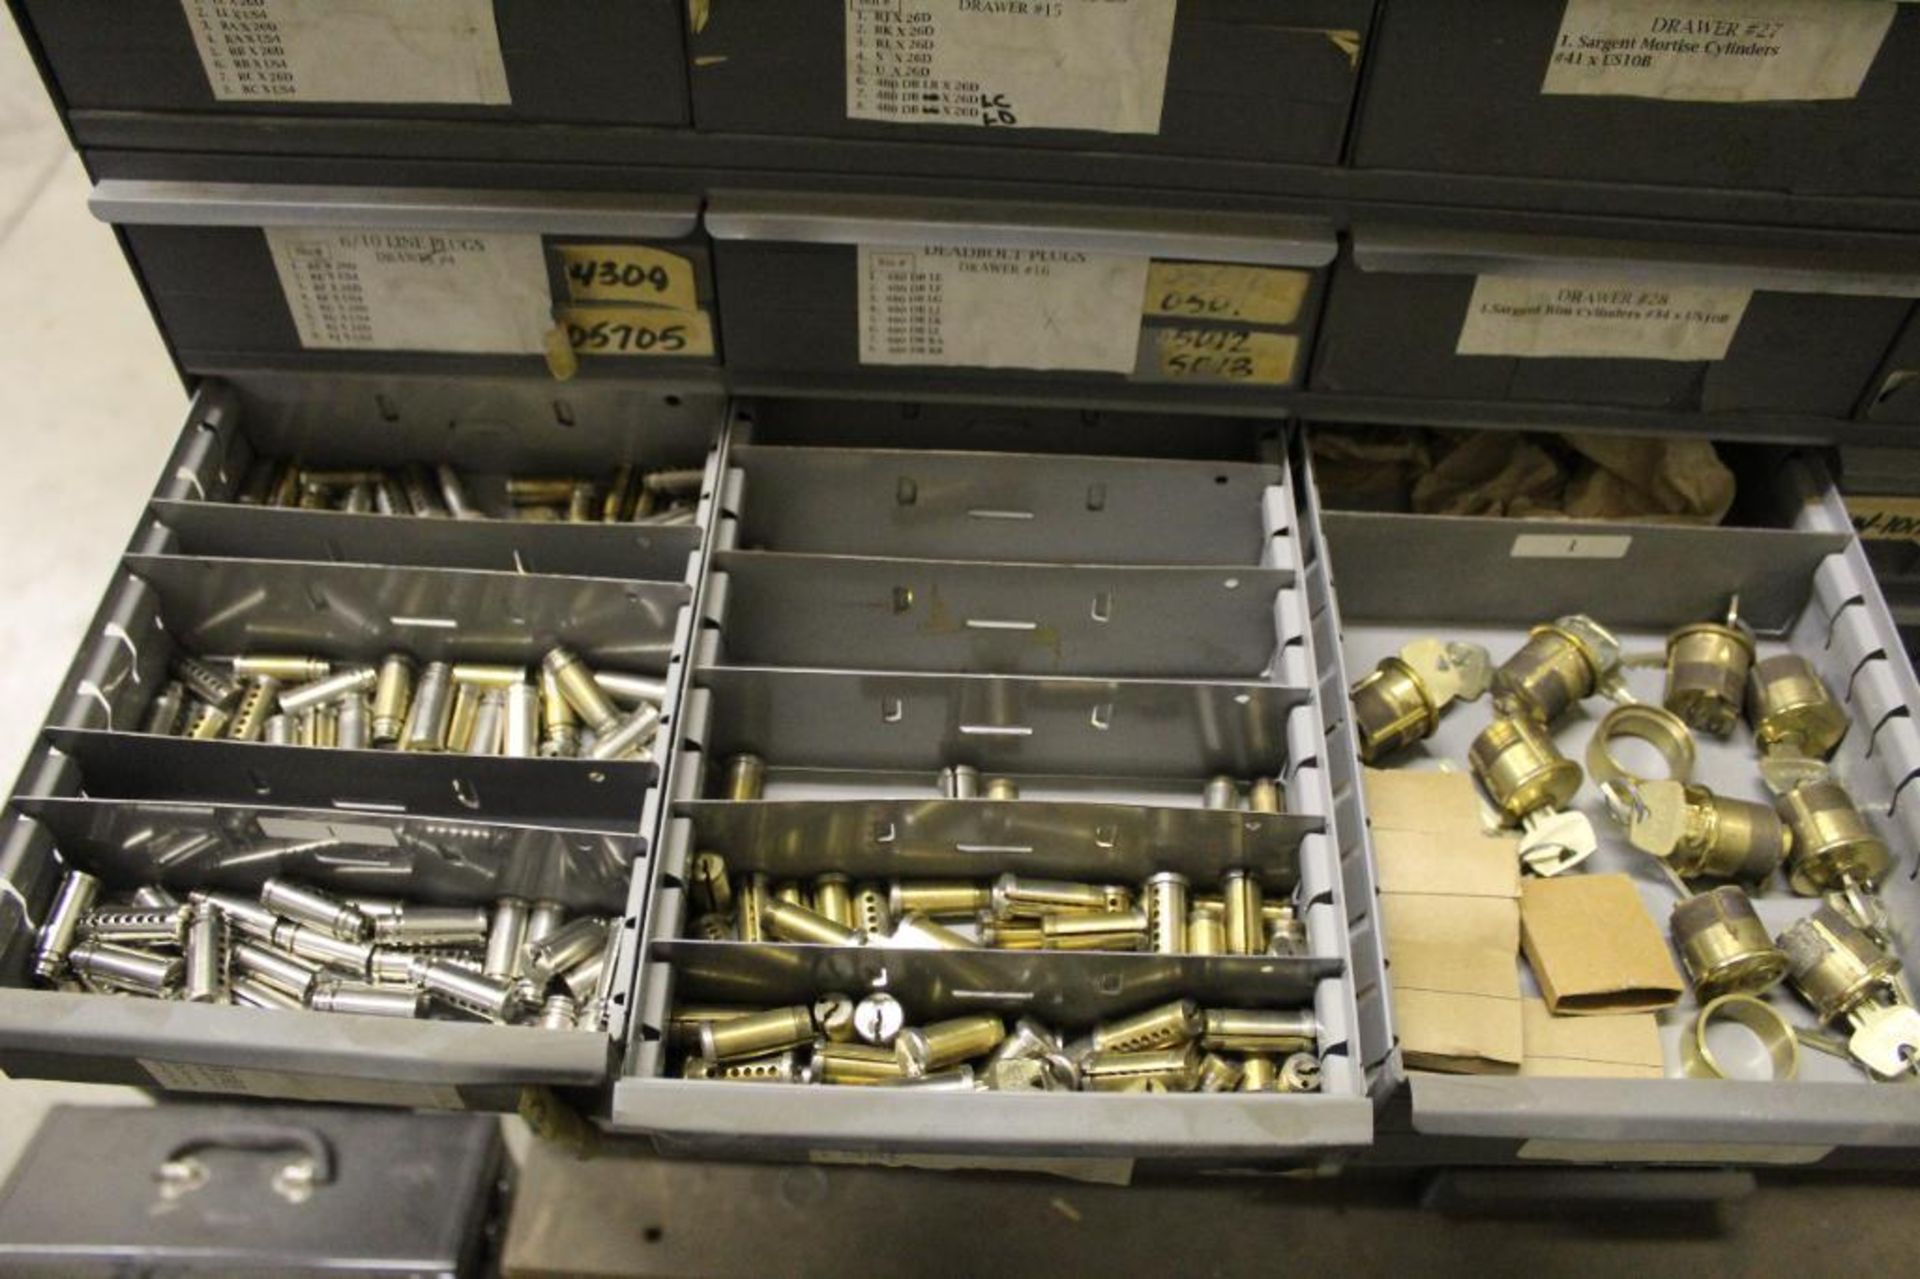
x=90, y=407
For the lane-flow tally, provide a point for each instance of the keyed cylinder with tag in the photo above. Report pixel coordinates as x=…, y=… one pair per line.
x=1726, y=948
x=1560, y=664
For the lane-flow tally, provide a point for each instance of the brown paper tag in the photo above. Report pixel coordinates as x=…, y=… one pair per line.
x=1400, y=799
x=1622, y=1046
x=1594, y=948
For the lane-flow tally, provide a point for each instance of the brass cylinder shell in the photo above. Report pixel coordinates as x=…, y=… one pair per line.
x=1259, y=1074
x=852, y=1063
x=392, y=695
x=577, y=686
x=833, y=898
x=746, y=778
x=1791, y=710
x=1174, y=1069
x=1554, y=669
x=1206, y=933
x=938, y=898
x=1729, y=838
x=922, y=1050
x=1515, y=759
x=1392, y=710
x=1260, y=1030
x=1834, y=964
x=1244, y=927
x=1726, y=948
x=751, y=894
x=757, y=1034
x=1832, y=840
x=787, y=922
x=1166, y=900
x=1167, y=1026
x=1707, y=666
x=1020, y=897
x=872, y=911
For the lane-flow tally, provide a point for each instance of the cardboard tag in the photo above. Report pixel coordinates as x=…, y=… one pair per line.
x=1528, y=318
x=1410, y=799
x=1456, y=1033
x=1594, y=948
x=953, y=305
x=375, y=51
x=1098, y=65
x=1623, y=1046
x=1418, y=861
x=1226, y=355
x=463, y=292
x=1218, y=291
x=1718, y=50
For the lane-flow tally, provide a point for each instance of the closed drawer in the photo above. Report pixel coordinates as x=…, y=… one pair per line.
x=1803, y=584
x=1223, y=78
x=1142, y=307
x=1682, y=327
x=601, y=62
x=1096, y=775
x=108, y=794
x=349, y=278
x=1812, y=99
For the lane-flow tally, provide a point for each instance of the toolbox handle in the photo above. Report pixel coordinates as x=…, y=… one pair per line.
x=1889, y=271
x=262, y=1139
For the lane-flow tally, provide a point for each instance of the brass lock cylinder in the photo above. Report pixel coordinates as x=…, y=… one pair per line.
x=1726, y=948
x=1515, y=759
x=1729, y=838
x=1167, y=1026
x=1707, y=665
x=1165, y=895
x=1561, y=663
x=852, y=1064
x=1832, y=840
x=1243, y=926
x=1835, y=964
x=756, y=1035
x=1173, y=1069
x=1392, y=710
x=1206, y=932
x=1790, y=709
x=925, y=1050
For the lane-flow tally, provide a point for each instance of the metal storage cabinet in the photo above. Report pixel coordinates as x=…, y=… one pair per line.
x=586, y=62
x=1451, y=313
x=209, y=576
x=1895, y=393
x=1242, y=79
x=1805, y=585
x=910, y=295
x=1416, y=114
x=1110, y=768
x=349, y=278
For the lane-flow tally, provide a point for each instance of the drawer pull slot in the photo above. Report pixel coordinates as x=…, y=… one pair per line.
x=1015, y=849
x=997, y=730
x=1000, y=624
x=436, y=623
x=997, y=513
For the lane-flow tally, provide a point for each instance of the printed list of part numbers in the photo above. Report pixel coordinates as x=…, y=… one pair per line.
x=1099, y=65
x=1600, y=319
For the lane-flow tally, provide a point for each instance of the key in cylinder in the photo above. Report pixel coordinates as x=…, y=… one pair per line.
x=1844, y=973
x=1563, y=662
x=1707, y=665
x=1530, y=782
x=1833, y=844
x=1726, y=948
x=1699, y=833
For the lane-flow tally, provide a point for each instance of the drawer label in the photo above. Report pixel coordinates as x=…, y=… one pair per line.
x=1600, y=319
x=1226, y=355
x=477, y=293
x=628, y=273
x=1572, y=546
x=1213, y=291
x=194, y=1076
x=1718, y=50
x=1099, y=65
x=421, y=51
x=637, y=330
x=969, y=306
x=1885, y=519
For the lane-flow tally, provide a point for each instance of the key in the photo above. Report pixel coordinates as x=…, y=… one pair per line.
x=1658, y=817
x=1474, y=666
x=1886, y=1039
x=1831, y=1045
x=1783, y=773
x=1553, y=841
x=1429, y=660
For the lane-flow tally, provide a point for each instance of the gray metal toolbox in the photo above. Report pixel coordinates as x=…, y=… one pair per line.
x=1798, y=96
x=905, y=295
x=517, y=61
x=344, y=278
x=1804, y=583
x=994, y=534
x=1235, y=79
x=1642, y=317
x=212, y=576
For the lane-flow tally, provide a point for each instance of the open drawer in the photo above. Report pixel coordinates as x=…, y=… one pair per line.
x=111, y=794
x=1002, y=616
x=1378, y=580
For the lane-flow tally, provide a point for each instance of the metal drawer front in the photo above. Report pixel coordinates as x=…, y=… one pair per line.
x=1806, y=590
x=1895, y=394
x=1109, y=771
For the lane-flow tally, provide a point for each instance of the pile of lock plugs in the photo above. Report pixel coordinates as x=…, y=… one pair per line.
x=838, y=1040
x=516, y=963
x=1840, y=959
x=630, y=495
x=564, y=709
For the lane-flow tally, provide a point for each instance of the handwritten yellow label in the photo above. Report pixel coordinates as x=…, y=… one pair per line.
x=1226, y=355
x=637, y=330
x=1891, y=519
x=1210, y=291
x=628, y=273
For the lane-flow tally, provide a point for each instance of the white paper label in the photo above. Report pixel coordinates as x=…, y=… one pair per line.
x=1021, y=64
x=423, y=51
x=457, y=291
x=960, y=305
x=303, y=829
x=194, y=1076
x=1562, y=546
x=1600, y=319
x=1718, y=50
